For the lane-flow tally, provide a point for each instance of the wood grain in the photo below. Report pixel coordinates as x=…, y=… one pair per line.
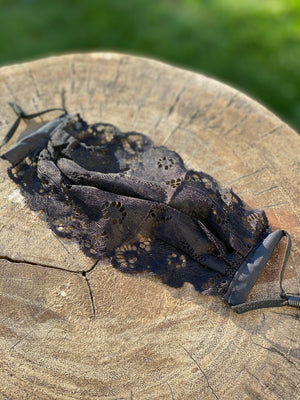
x=71, y=328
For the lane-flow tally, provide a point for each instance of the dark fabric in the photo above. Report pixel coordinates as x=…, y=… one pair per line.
x=119, y=195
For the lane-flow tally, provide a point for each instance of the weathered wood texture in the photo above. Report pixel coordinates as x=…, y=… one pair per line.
x=138, y=339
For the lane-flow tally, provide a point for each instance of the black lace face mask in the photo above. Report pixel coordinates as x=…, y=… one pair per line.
x=119, y=195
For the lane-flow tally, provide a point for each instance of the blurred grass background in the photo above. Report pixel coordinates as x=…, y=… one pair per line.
x=253, y=45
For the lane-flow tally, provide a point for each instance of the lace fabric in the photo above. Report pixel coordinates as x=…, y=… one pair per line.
x=119, y=195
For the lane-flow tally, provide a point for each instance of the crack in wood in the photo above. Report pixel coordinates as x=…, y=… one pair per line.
x=63, y=97
x=273, y=205
x=28, y=333
x=202, y=372
x=92, y=267
x=73, y=75
x=273, y=130
x=236, y=124
x=222, y=110
x=88, y=82
x=194, y=116
x=35, y=85
x=62, y=244
x=171, y=392
x=141, y=105
x=20, y=340
x=265, y=190
x=83, y=273
x=157, y=123
x=272, y=349
x=247, y=175
x=11, y=92
x=203, y=113
x=36, y=100
x=17, y=261
x=295, y=315
x=256, y=378
x=171, y=133
x=176, y=101
x=117, y=73
x=264, y=387
x=90, y=293
x=263, y=135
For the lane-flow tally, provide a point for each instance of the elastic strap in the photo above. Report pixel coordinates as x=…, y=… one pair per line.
x=280, y=300
x=22, y=115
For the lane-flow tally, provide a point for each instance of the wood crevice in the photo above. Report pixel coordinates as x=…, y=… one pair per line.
x=272, y=349
x=20, y=261
x=202, y=372
x=82, y=273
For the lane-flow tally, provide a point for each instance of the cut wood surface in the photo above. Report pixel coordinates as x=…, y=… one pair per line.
x=71, y=328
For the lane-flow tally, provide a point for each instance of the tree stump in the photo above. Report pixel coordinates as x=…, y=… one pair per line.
x=75, y=329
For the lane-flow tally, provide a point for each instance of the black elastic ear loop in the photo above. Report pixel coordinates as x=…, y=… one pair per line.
x=22, y=115
x=283, y=299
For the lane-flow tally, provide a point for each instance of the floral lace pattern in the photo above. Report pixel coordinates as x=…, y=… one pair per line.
x=119, y=195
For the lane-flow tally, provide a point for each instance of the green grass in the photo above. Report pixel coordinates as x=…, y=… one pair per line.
x=253, y=45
